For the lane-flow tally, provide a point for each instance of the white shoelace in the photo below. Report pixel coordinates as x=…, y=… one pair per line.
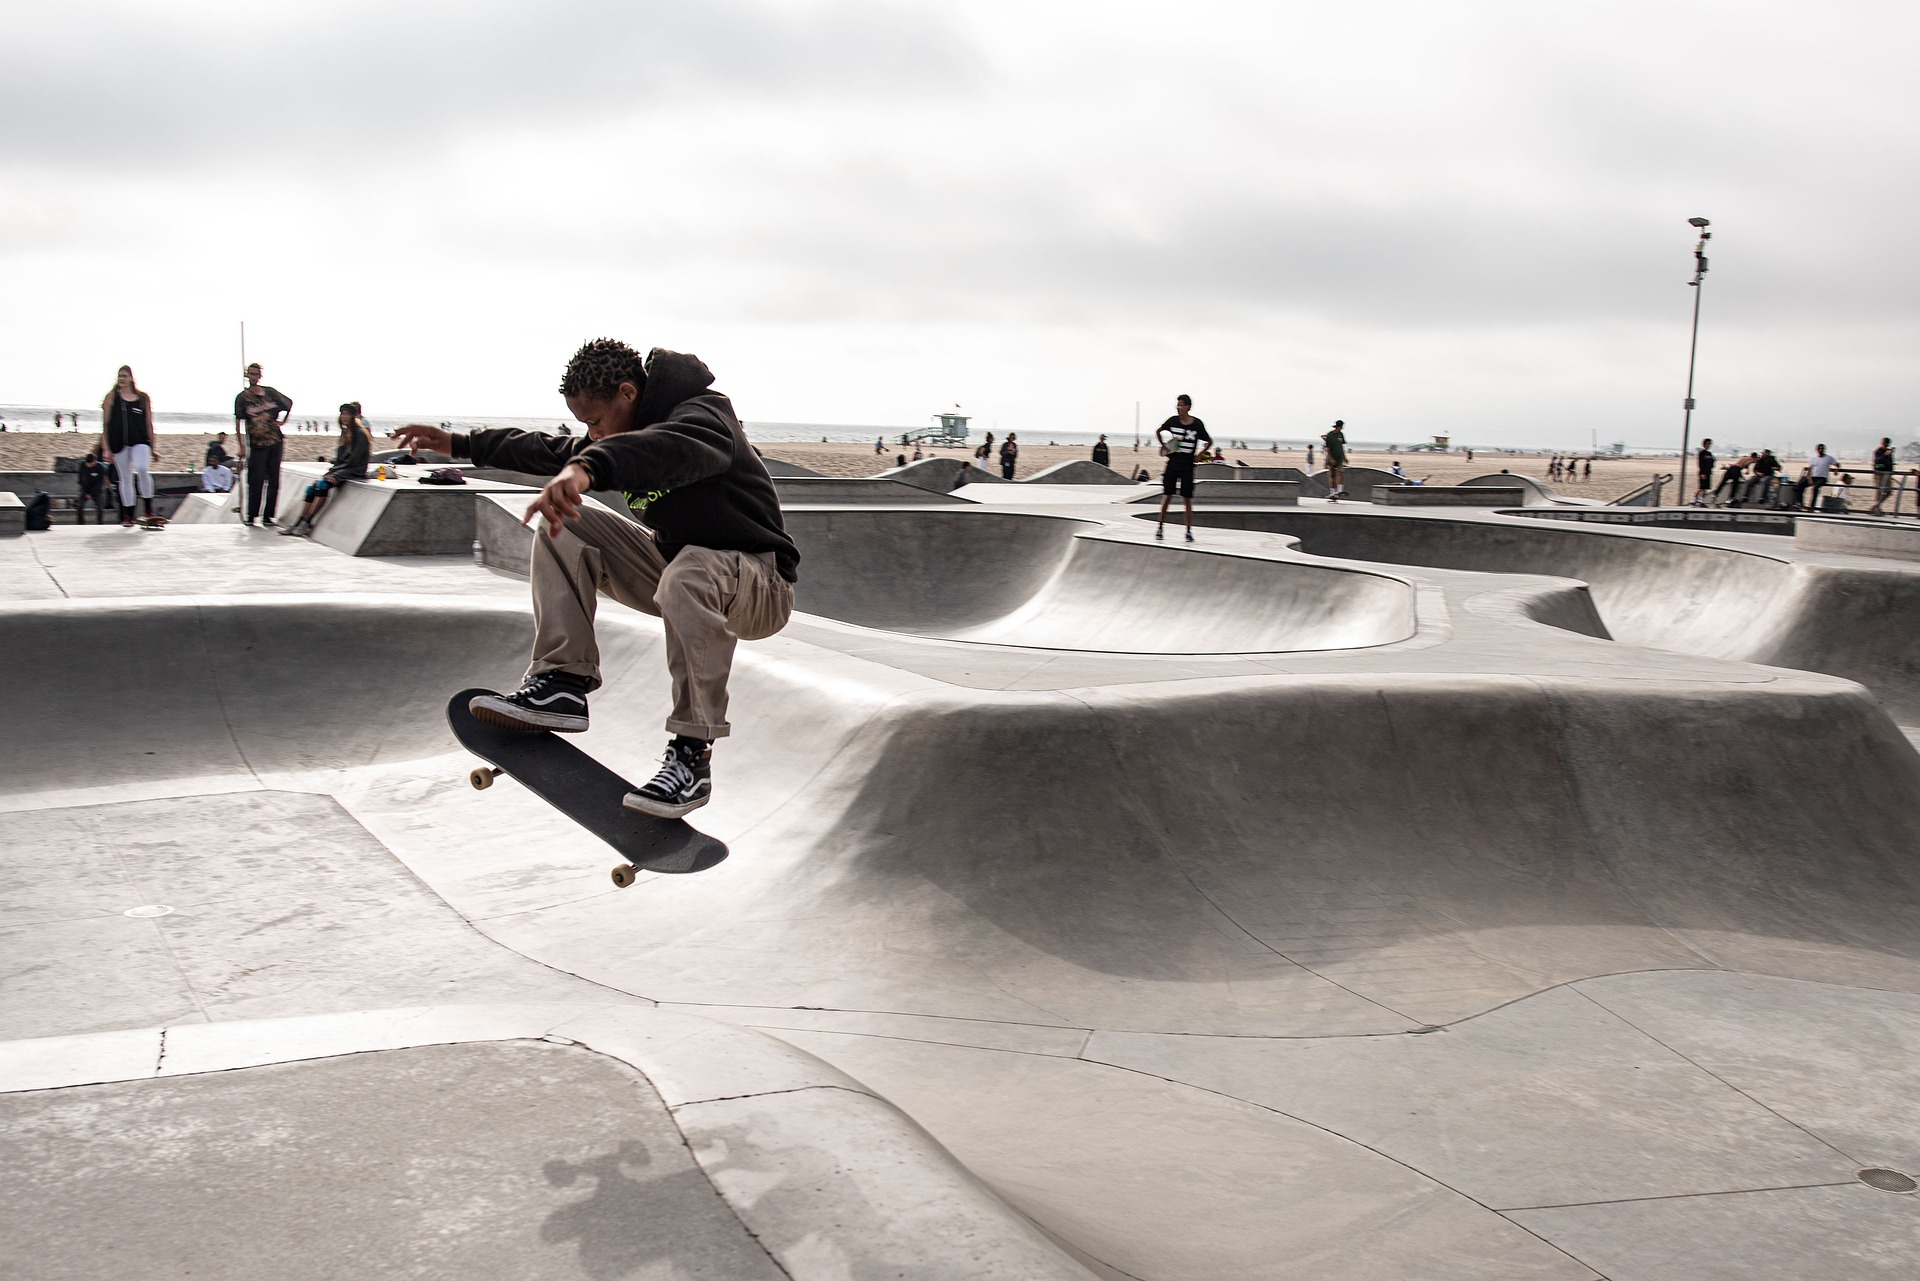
x=674, y=777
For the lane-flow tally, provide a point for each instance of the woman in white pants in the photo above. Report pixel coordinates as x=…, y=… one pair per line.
x=126, y=427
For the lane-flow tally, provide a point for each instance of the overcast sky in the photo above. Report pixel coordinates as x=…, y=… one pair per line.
x=1416, y=216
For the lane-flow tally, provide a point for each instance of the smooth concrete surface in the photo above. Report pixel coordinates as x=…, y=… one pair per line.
x=438, y=1161
x=399, y=516
x=1570, y=933
x=1274, y=493
x=940, y=475
x=1449, y=495
x=13, y=515
x=1054, y=583
x=1537, y=492
x=1359, y=481
x=807, y=490
x=1858, y=537
x=703, y=1151
x=1077, y=471
x=1731, y=596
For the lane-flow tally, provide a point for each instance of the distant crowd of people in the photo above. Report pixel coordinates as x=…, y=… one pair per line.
x=1760, y=480
x=124, y=459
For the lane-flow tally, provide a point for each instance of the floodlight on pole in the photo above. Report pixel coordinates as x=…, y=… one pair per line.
x=1693, y=347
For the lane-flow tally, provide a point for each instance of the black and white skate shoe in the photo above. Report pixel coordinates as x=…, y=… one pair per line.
x=551, y=700
x=683, y=784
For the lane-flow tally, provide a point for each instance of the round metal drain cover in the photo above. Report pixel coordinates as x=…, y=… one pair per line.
x=1888, y=1180
x=151, y=909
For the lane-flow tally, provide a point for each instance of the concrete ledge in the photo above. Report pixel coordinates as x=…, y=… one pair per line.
x=937, y=475
x=1271, y=493
x=1076, y=471
x=869, y=490
x=1736, y=520
x=13, y=515
x=832, y=1180
x=1449, y=496
x=1858, y=537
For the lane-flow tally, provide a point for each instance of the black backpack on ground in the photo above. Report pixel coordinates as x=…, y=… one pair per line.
x=40, y=511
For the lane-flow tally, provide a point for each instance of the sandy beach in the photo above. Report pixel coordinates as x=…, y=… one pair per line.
x=182, y=451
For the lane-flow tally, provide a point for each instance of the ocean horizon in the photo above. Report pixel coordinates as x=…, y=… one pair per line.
x=39, y=418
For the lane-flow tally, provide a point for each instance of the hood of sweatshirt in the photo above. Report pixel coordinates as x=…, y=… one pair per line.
x=672, y=376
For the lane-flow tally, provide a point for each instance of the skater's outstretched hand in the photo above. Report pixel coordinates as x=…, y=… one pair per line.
x=420, y=436
x=559, y=499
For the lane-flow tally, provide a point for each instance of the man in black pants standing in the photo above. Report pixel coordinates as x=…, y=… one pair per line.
x=259, y=413
x=1703, y=462
x=1179, y=438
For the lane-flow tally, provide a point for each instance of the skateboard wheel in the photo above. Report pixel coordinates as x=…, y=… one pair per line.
x=623, y=875
x=482, y=778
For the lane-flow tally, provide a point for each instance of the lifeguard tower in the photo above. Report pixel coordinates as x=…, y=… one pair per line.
x=951, y=431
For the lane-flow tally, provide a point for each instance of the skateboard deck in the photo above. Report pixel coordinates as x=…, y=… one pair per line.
x=585, y=791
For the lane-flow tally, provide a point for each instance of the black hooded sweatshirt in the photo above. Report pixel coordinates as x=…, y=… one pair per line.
x=687, y=471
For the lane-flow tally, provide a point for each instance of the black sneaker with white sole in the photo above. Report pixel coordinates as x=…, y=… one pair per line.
x=683, y=784
x=551, y=700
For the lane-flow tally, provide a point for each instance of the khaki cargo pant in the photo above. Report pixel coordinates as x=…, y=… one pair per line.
x=708, y=600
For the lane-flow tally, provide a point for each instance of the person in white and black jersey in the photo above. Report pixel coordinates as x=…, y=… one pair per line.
x=1179, y=438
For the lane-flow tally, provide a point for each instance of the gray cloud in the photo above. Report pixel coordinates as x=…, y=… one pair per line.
x=142, y=93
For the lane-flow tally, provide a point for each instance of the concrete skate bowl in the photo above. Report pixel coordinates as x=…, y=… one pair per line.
x=1054, y=583
x=232, y=688
x=1657, y=591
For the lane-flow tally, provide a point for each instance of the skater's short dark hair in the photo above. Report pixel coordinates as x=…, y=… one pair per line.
x=599, y=367
x=1183, y=398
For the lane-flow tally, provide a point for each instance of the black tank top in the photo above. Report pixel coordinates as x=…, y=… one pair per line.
x=128, y=425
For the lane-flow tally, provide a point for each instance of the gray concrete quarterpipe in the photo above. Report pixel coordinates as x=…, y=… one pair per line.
x=1354, y=893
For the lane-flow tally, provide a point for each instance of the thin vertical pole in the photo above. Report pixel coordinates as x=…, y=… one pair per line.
x=1693, y=346
x=240, y=487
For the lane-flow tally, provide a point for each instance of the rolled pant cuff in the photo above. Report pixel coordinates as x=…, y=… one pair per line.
x=694, y=729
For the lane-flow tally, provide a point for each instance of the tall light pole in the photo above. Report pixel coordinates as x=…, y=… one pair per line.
x=1693, y=348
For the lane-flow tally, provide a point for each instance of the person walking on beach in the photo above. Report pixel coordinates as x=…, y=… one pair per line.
x=1100, y=453
x=126, y=422
x=259, y=418
x=349, y=463
x=1882, y=475
x=1335, y=439
x=1009, y=456
x=706, y=551
x=1179, y=439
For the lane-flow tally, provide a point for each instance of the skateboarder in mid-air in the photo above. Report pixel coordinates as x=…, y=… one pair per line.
x=709, y=555
x=1179, y=439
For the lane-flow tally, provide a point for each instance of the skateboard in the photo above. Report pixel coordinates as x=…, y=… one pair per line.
x=584, y=790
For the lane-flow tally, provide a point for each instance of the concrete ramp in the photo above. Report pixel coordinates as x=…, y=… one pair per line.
x=865, y=490
x=1665, y=592
x=1053, y=583
x=1078, y=471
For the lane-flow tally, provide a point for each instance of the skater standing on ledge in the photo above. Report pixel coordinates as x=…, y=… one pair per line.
x=126, y=423
x=1179, y=439
x=1335, y=439
x=259, y=419
x=709, y=557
